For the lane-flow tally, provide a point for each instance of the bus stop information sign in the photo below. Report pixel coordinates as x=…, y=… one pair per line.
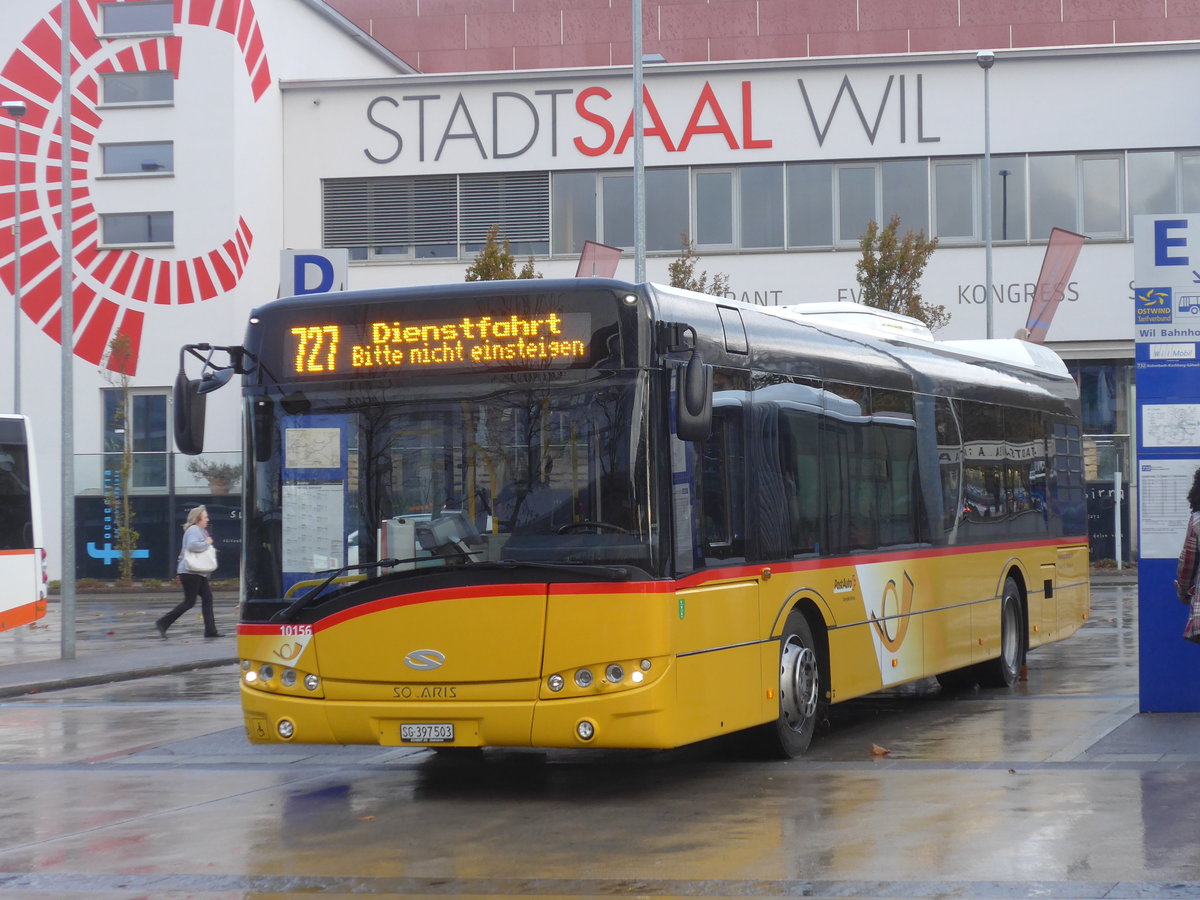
x=1167, y=327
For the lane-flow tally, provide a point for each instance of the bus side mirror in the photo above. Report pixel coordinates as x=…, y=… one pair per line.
x=189, y=405
x=693, y=407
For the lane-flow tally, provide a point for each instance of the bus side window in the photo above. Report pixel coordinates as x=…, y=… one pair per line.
x=1025, y=463
x=835, y=478
x=800, y=454
x=949, y=450
x=983, y=464
x=722, y=487
x=898, y=500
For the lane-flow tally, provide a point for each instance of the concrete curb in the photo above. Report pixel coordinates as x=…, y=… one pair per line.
x=106, y=676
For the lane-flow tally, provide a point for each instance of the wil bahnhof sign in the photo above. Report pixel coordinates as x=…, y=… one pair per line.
x=1167, y=328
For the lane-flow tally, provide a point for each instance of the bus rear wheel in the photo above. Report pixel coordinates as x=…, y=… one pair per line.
x=1004, y=670
x=801, y=700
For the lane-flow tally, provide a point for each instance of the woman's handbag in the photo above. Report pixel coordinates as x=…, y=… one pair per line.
x=200, y=562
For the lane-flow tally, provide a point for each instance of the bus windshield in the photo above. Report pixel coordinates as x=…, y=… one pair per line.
x=457, y=474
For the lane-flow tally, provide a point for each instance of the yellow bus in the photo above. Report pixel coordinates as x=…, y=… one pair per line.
x=588, y=513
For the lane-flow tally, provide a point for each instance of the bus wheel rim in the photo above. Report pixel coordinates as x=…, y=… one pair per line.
x=798, y=679
x=1010, y=640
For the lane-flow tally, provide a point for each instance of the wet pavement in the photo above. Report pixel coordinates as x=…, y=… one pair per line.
x=147, y=788
x=115, y=639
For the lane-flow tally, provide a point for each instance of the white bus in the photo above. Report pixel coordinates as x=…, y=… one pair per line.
x=22, y=553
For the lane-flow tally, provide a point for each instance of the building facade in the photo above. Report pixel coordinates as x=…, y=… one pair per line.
x=176, y=215
x=210, y=135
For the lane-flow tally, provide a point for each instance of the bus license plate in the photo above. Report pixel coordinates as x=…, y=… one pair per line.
x=428, y=733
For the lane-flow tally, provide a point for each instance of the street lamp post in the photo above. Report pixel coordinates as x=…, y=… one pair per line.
x=985, y=58
x=639, y=163
x=16, y=109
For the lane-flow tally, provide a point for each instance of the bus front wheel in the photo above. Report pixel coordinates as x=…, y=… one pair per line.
x=1004, y=671
x=801, y=700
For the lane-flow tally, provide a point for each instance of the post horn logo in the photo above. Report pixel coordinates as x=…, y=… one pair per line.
x=894, y=613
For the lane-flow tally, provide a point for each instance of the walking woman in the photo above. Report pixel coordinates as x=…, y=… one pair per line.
x=1189, y=562
x=195, y=583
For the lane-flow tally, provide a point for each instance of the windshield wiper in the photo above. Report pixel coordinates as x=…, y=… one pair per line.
x=289, y=613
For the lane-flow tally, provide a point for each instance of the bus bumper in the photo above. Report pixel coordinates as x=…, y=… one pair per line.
x=638, y=717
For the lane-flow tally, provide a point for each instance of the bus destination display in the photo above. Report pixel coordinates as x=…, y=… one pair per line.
x=470, y=342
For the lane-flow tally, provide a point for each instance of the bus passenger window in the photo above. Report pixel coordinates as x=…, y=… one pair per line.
x=949, y=450
x=722, y=487
x=1025, y=466
x=985, y=498
x=800, y=456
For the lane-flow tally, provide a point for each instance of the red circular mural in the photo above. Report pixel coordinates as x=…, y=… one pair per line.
x=113, y=289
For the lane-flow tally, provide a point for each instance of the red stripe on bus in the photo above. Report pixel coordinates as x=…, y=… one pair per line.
x=649, y=587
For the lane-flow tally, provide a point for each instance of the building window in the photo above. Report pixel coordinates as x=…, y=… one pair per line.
x=149, y=158
x=760, y=206
x=714, y=207
x=144, y=17
x=666, y=209
x=142, y=429
x=1052, y=195
x=436, y=216
x=1008, y=198
x=517, y=202
x=137, y=87
x=954, y=200
x=1101, y=194
x=905, y=193
x=134, y=229
x=1151, y=177
x=414, y=218
x=1189, y=181
x=856, y=202
x=572, y=211
x=810, y=204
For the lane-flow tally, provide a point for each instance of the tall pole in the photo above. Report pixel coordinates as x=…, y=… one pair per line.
x=67, y=320
x=17, y=273
x=985, y=58
x=16, y=110
x=639, y=165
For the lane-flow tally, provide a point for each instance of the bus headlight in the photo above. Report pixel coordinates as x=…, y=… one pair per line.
x=583, y=677
x=585, y=729
x=312, y=682
x=288, y=678
x=556, y=683
x=614, y=674
x=266, y=672
x=285, y=729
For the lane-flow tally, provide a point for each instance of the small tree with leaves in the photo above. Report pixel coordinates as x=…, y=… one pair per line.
x=890, y=271
x=118, y=361
x=495, y=262
x=683, y=273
